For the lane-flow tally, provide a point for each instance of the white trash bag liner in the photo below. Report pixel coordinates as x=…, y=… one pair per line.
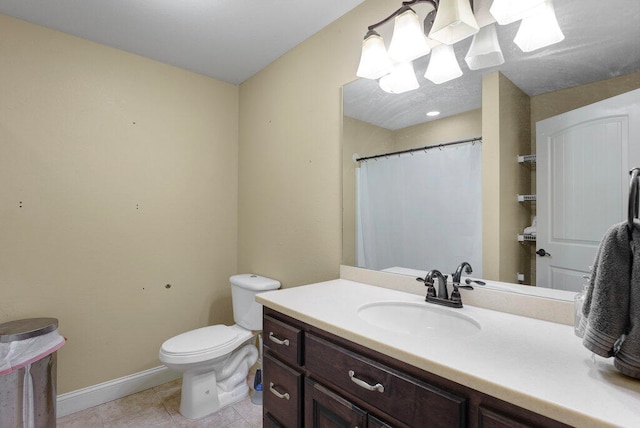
x=20, y=353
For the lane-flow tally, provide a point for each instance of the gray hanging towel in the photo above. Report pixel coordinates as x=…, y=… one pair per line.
x=611, y=311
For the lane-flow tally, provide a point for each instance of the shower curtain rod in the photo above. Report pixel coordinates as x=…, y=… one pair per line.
x=421, y=149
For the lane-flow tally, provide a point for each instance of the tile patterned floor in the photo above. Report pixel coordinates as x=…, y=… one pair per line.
x=158, y=408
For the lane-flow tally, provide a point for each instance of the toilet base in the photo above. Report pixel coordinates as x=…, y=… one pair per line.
x=203, y=394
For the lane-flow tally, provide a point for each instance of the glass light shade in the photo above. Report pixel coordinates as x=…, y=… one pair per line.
x=508, y=11
x=454, y=22
x=539, y=30
x=443, y=65
x=408, y=41
x=485, y=50
x=401, y=79
x=374, y=61
x=481, y=12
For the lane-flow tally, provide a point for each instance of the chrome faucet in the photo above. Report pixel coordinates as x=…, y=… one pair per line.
x=442, y=283
x=442, y=296
x=457, y=275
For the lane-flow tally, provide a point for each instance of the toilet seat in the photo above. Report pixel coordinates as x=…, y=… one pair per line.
x=203, y=344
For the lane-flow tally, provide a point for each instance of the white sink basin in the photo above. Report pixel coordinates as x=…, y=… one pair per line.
x=419, y=319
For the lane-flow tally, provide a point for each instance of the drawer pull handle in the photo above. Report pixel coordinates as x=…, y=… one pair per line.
x=275, y=392
x=278, y=341
x=377, y=387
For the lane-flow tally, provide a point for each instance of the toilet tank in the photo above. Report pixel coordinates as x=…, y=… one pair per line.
x=247, y=313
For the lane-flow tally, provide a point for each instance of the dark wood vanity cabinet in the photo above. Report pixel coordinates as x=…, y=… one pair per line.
x=408, y=399
x=283, y=391
x=282, y=378
x=312, y=378
x=323, y=408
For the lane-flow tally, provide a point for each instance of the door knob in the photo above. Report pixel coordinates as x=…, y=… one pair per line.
x=541, y=252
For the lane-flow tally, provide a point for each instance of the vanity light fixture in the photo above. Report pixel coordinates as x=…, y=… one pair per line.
x=409, y=41
x=540, y=29
x=485, y=49
x=443, y=65
x=433, y=113
x=374, y=61
x=401, y=79
x=508, y=11
x=446, y=23
x=454, y=22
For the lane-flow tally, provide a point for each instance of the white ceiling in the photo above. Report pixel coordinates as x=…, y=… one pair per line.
x=602, y=40
x=229, y=40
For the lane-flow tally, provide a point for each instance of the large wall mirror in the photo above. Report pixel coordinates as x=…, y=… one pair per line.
x=599, y=59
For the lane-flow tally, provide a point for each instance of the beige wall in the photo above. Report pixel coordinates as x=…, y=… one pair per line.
x=290, y=154
x=118, y=175
x=462, y=126
x=505, y=134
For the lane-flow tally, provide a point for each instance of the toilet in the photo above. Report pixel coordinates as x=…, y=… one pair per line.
x=215, y=360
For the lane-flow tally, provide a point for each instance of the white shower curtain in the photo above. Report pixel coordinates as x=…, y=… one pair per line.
x=421, y=210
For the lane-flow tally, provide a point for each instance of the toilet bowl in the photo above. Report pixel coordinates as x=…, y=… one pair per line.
x=215, y=360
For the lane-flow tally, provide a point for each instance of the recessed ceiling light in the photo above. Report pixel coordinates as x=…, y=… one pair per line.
x=433, y=113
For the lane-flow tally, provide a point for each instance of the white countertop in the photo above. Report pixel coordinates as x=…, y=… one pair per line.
x=539, y=365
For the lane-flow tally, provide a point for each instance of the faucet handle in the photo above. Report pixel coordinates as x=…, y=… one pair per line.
x=431, y=290
x=455, y=295
x=427, y=280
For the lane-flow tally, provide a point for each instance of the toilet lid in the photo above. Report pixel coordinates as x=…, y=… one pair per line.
x=201, y=340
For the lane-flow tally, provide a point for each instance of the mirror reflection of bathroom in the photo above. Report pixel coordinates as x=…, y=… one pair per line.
x=518, y=220
x=572, y=164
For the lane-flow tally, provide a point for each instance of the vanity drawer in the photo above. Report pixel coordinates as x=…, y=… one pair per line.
x=282, y=392
x=407, y=399
x=283, y=339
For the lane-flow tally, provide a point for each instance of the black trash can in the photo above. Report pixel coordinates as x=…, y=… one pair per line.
x=28, y=376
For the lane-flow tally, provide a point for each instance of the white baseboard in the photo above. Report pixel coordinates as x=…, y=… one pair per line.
x=84, y=398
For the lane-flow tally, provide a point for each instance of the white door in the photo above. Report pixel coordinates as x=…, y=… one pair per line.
x=583, y=162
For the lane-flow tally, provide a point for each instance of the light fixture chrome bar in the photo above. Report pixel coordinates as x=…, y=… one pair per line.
x=405, y=5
